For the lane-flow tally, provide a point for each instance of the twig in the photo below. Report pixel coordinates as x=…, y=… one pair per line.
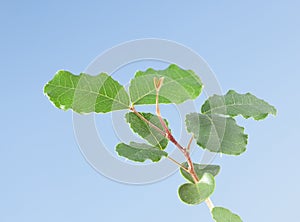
x=177, y=163
x=167, y=134
x=158, y=83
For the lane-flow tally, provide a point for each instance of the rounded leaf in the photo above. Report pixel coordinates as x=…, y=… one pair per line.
x=221, y=214
x=233, y=104
x=216, y=133
x=85, y=93
x=193, y=194
x=140, y=152
x=178, y=86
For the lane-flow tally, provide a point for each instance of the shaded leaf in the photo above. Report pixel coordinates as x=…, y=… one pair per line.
x=140, y=152
x=85, y=93
x=221, y=214
x=200, y=169
x=178, y=86
x=146, y=131
x=234, y=104
x=194, y=194
x=217, y=133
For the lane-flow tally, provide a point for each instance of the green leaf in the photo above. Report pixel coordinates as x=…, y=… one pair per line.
x=85, y=93
x=146, y=131
x=234, y=104
x=217, y=133
x=140, y=152
x=200, y=169
x=178, y=86
x=221, y=214
x=194, y=194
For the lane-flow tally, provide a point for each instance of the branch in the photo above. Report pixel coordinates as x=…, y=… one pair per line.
x=167, y=134
x=158, y=83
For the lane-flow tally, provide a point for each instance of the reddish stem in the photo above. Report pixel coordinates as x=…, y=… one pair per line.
x=158, y=84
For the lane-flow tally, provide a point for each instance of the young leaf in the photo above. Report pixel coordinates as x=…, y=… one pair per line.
x=146, y=131
x=85, y=93
x=217, y=133
x=194, y=194
x=140, y=152
x=179, y=85
x=233, y=104
x=200, y=169
x=221, y=214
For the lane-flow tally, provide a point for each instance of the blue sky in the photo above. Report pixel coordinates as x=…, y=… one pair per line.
x=252, y=46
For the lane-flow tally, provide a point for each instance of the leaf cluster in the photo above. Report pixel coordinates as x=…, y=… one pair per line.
x=214, y=127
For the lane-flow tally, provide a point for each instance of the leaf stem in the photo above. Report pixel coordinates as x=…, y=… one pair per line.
x=132, y=108
x=177, y=163
x=209, y=204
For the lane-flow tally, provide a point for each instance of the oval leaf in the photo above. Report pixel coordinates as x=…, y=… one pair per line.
x=194, y=194
x=221, y=214
x=85, y=93
x=178, y=86
x=140, y=152
x=146, y=131
x=233, y=104
x=200, y=169
x=217, y=133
